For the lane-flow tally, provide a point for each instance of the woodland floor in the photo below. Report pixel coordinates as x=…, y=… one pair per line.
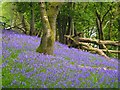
x=23, y=67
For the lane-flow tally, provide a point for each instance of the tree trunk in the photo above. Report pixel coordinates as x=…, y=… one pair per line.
x=72, y=27
x=64, y=25
x=69, y=24
x=49, y=28
x=69, y=19
x=31, y=20
x=100, y=28
x=99, y=22
x=43, y=47
x=24, y=24
x=110, y=28
x=59, y=28
x=119, y=38
x=72, y=21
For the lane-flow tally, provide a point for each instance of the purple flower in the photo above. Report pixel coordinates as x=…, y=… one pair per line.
x=23, y=83
x=68, y=67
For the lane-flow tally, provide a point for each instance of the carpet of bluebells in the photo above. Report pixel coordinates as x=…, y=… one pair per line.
x=23, y=67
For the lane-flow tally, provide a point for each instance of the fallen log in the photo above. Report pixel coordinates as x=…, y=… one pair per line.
x=95, y=41
x=106, y=42
x=86, y=46
x=96, y=50
x=110, y=51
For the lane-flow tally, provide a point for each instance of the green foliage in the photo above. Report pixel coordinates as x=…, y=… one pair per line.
x=6, y=74
x=67, y=58
x=84, y=16
x=82, y=13
x=6, y=12
x=22, y=6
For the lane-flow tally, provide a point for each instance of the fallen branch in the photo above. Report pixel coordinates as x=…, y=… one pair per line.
x=106, y=42
x=111, y=51
x=98, y=51
x=86, y=46
x=95, y=41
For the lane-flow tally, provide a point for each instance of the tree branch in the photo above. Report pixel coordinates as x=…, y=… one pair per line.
x=106, y=13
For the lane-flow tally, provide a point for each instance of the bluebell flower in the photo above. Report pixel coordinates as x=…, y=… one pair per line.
x=68, y=67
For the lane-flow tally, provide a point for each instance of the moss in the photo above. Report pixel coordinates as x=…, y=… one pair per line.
x=39, y=49
x=51, y=11
x=49, y=42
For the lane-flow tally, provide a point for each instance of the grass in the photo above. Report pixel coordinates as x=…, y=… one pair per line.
x=68, y=68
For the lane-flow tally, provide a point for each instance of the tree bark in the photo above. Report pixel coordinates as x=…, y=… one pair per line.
x=111, y=51
x=72, y=20
x=24, y=24
x=59, y=29
x=32, y=19
x=119, y=37
x=62, y=25
x=110, y=28
x=99, y=23
x=71, y=25
x=46, y=31
x=100, y=28
x=49, y=28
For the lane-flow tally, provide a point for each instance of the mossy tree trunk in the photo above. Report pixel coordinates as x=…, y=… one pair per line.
x=48, y=18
